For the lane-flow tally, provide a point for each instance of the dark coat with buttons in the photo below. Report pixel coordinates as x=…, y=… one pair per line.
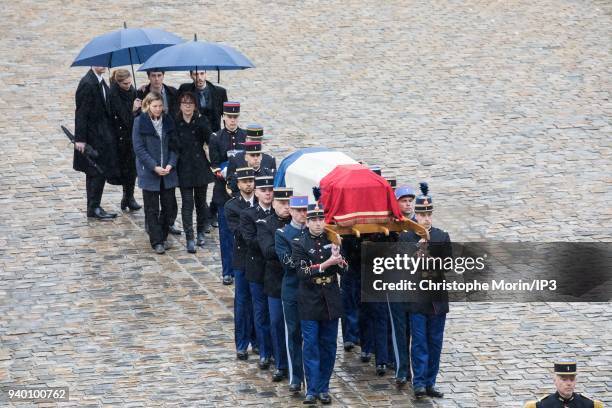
x=233, y=208
x=214, y=110
x=238, y=161
x=254, y=267
x=283, y=240
x=193, y=166
x=273, y=269
x=439, y=246
x=122, y=120
x=92, y=126
x=220, y=143
x=316, y=301
x=151, y=151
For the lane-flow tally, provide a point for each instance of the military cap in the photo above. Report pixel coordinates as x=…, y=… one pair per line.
x=423, y=203
x=403, y=191
x=314, y=211
x=264, y=181
x=231, y=108
x=254, y=131
x=282, y=193
x=298, y=202
x=253, y=147
x=243, y=173
x=566, y=367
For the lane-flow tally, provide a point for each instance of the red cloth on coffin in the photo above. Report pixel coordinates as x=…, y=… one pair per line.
x=353, y=194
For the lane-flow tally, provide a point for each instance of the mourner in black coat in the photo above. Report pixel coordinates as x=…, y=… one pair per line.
x=92, y=126
x=169, y=93
x=123, y=107
x=210, y=97
x=193, y=133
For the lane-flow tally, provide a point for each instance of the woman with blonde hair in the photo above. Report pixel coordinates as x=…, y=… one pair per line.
x=153, y=137
x=123, y=106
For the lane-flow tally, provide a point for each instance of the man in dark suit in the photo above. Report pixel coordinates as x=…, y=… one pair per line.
x=169, y=93
x=210, y=97
x=92, y=127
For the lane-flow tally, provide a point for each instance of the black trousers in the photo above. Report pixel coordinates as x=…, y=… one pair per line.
x=160, y=209
x=190, y=197
x=95, y=187
x=128, y=188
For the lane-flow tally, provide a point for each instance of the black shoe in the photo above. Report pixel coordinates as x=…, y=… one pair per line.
x=255, y=350
x=279, y=374
x=420, y=392
x=242, y=355
x=401, y=381
x=100, y=214
x=365, y=357
x=295, y=388
x=264, y=363
x=433, y=392
x=200, y=239
x=167, y=245
x=325, y=398
x=191, y=247
x=174, y=231
x=130, y=204
x=159, y=249
x=228, y=280
x=207, y=229
x=381, y=369
x=310, y=400
x=214, y=224
x=348, y=345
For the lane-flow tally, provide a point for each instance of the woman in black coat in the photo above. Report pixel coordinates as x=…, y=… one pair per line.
x=123, y=106
x=193, y=132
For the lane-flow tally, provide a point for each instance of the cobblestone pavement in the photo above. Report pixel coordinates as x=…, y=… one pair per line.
x=503, y=106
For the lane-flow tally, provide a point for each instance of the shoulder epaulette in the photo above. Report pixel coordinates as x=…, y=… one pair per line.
x=296, y=239
x=261, y=221
x=530, y=404
x=598, y=404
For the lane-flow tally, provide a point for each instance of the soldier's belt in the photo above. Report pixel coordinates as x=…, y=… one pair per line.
x=324, y=280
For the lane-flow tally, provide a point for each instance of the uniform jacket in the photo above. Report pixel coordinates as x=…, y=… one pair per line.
x=92, y=126
x=220, y=143
x=193, y=166
x=218, y=96
x=254, y=262
x=151, y=151
x=556, y=401
x=439, y=247
x=282, y=244
x=233, y=208
x=267, y=162
x=316, y=301
x=273, y=269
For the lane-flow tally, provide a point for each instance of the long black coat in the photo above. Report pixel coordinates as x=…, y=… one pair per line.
x=315, y=301
x=220, y=143
x=193, y=165
x=254, y=262
x=238, y=161
x=122, y=120
x=233, y=208
x=171, y=95
x=92, y=126
x=273, y=270
x=218, y=96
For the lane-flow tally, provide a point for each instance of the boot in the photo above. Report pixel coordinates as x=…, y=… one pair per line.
x=191, y=245
x=200, y=239
x=128, y=201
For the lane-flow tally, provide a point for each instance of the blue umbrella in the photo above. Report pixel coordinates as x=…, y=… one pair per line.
x=196, y=55
x=128, y=46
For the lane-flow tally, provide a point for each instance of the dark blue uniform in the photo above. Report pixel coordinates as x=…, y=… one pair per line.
x=289, y=286
x=557, y=401
x=244, y=328
x=427, y=319
x=238, y=161
x=320, y=307
x=254, y=272
x=220, y=143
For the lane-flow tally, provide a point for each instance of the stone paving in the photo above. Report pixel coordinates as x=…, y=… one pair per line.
x=504, y=107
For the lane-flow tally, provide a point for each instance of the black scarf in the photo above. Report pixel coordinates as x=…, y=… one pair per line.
x=123, y=102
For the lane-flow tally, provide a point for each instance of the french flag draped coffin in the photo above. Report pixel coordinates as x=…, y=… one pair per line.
x=353, y=194
x=350, y=193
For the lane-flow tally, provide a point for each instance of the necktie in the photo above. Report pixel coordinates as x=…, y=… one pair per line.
x=102, y=83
